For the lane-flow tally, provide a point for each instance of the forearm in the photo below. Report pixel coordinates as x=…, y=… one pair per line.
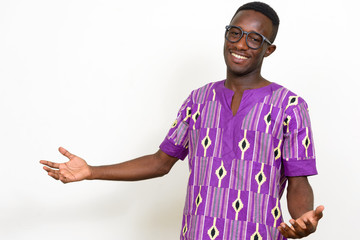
x=300, y=197
x=145, y=167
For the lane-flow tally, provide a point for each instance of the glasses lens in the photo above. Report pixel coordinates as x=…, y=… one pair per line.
x=254, y=40
x=233, y=34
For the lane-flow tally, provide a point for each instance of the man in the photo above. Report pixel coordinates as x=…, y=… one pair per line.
x=245, y=137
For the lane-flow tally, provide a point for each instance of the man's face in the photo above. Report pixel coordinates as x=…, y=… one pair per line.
x=239, y=58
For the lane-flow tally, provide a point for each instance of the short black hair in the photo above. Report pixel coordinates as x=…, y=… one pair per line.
x=267, y=11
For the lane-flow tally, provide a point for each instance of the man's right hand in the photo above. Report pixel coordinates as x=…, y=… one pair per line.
x=76, y=169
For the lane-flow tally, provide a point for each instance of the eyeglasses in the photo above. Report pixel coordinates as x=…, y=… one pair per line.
x=253, y=39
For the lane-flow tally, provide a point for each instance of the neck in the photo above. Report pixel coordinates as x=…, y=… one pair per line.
x=239, y=83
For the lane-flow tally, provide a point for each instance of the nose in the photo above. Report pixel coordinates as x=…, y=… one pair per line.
x=241, y=44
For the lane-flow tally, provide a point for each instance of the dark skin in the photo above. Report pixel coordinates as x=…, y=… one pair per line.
x=243, y=72
x=76, y=169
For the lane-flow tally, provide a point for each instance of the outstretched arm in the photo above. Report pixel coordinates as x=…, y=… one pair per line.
x=76, y=169
x=300, y=200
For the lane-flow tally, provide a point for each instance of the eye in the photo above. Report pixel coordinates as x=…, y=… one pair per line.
x=255, y=37
x=255, y=40
x=234, y=33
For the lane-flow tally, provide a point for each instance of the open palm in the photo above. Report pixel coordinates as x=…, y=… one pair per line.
x=304, y=225
x=76, y=169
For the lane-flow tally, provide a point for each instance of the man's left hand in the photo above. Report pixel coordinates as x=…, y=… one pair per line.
x=304, y=225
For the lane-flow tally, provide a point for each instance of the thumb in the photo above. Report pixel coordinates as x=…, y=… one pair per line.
x=319, y=212
x=66, y=153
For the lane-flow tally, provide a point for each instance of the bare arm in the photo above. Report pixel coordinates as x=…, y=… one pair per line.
x=300, y=200
x=300, y=196
x=76, y=169
x=145, y=167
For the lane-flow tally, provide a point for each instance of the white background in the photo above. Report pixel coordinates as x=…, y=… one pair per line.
x=105, y=80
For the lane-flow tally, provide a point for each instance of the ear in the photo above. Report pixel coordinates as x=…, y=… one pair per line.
x=270, y=50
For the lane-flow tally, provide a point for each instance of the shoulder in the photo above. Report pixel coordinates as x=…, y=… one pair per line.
x=286, y=99
x=201, y=94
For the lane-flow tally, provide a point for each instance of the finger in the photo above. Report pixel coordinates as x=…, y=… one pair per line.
x=300, y=231
x=66, y=153
x=58, y=175
x=54, y=175
x=309, y=226
x=300, y=222
x=50, y=164
x=63, y=179
x=50, y=170
x=286, y=231
x=296, y=225
x=282, y=231
x=66, y=176
x=319, y=212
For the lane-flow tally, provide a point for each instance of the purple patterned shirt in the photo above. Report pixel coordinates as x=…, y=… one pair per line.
x=239, y=164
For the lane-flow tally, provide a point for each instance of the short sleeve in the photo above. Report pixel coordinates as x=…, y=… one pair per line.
x=176, y=141
x=298, y=151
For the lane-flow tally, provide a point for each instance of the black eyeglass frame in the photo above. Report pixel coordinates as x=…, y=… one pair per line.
x=264, y=39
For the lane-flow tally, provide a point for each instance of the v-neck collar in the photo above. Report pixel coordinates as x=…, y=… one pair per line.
x=249, y=99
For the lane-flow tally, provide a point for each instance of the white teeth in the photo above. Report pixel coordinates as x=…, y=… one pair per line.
x=238, y=56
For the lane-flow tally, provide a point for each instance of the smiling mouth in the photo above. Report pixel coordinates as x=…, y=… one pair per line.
x=239, y=56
